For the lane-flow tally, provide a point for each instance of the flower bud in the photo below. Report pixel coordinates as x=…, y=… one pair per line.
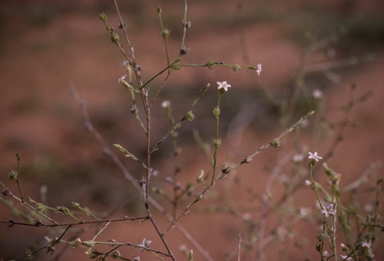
x=165, y=33
x=115, y=38
x=211, y=64
x=103, y=17
x=63, y=210
x=189, y=116
x=247, y=159
x=116, y=254
x=322, y=237
x=315, y=186
x=328, y=171
x=76, y=205
x=236, y=68
x=275, y=143
x=184, y=50
x=216, y=111
x=176, y=66
x=6, y=192
x=188, y=24
x=216, y=143
x=199, y=198
x=39, y=207
x=200, y=177
x=191, y=255
x=224, y=170
x=122, y=25
x=13, y=175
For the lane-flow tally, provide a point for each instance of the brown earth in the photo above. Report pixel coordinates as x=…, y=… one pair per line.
x=44, y=45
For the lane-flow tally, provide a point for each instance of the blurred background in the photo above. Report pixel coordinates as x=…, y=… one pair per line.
x=45, y=45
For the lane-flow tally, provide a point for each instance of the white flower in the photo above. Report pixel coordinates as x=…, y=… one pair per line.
x=145, y=244
x=365, y=244
x=298, y=158
x=346, y=258
x=121, y=79
x=308, y=182
x=328, y=210
x=246, y=216
x=258, y=69
x=303, y=211
x=368, y=207
x=125, y=63
x=317, y=94
x=165, y=104
x=325, y=253
x=224, y=85
x=314, y=156
x=304, y=123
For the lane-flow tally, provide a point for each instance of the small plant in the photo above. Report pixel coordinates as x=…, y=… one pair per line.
x=271, y=220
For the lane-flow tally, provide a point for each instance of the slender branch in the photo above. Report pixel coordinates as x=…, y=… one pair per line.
x=12, y=222
x=129, y=176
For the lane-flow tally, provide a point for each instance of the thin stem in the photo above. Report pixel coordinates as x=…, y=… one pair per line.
x=18, y=176
x=75, y=223
x=164, y=33
x=184, y=25
x=217, y=141
x=35, y=210
x=239, y=246
x=129, y=176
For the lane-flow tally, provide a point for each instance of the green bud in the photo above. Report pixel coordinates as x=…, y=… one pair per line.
x=76, y=205
x=328, y=171
x=39, y=207
x=115, y=38
x=199, y=198
x=189, y=116
x=275, y=143
x=216, y=143
x=200, y=177
x=211, y=64
x=191, y=255
x=322, y=237
x=165, y=33
x=202, y=91
x=63, y=210
x=216, y=111
x=176, y=66
x=13, y=175
x=236, y=68
x=103, y=17
x=315, y=186
x=158, y=9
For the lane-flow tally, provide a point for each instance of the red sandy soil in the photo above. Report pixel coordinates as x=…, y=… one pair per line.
x=43, y=46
